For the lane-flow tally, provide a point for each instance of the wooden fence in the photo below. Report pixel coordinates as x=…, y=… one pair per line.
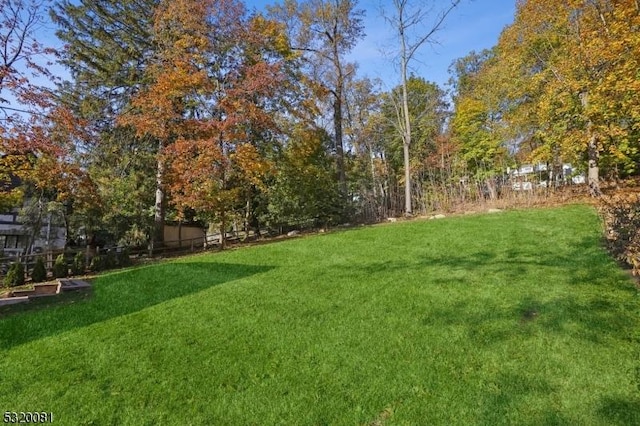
x=134, y=254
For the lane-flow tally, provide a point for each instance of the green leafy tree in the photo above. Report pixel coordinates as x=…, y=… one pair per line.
x=109, y=48
x=476, y=123
x=304, y=193
x=123, y=169
x=79, y=263
x=481, y=148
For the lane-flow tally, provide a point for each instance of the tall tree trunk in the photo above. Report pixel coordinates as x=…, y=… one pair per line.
x=403, y=25
x=408, y=209
x=159, y=210
x=223, y=230
x=247, y=216
x=36, y=226
x=337, y=128
x=372, y=165
x=593, y=154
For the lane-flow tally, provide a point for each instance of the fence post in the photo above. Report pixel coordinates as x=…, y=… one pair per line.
x=49, y=257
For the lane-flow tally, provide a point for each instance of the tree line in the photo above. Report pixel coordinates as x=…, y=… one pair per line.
x=207, y=112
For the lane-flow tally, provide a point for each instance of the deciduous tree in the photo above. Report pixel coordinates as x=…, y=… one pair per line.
x=427, y=111
x=476, y=124
x=23, y=56
x=404, y=20
x=325, y=31
x=303, y=193
x=25, y=104
x=212, y=86
x=571, y=67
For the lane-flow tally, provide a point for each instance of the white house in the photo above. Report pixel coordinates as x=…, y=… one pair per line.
x=528, y=175
x=15, y=237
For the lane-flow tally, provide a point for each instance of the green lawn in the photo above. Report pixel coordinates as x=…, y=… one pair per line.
x=512, y=318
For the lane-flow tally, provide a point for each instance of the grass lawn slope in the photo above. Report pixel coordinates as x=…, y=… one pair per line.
x=512, y=318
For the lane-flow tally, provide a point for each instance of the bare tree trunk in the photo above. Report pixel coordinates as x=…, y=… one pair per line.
x=491, y=187
x=159, y=211
x=35, y=225
x=593, y=173
x=405, y=20
x=247, y=217
x=223, y=230
x=337, y=128
x=408, y=210
x=372, y=165
x=593, y=154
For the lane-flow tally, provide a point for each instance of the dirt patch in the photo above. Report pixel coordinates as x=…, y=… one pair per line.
x=529, y=315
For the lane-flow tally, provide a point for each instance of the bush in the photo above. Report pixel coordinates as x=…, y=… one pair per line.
x=110, y=260
x=15, y=275
x=621, y=216
x=60, y=267
x=123, y=258
x=78, y=265
x=39, y=272
x=98, y=263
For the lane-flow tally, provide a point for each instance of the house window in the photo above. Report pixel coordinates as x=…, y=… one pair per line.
x=11, y=241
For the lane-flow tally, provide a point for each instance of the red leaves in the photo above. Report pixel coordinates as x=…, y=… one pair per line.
x=214, y=76
x=196, y=174
x=20, y=53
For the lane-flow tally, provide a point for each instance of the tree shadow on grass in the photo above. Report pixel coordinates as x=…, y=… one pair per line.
x=119, y=293
x=620, y=411
x=493, y=323
x=583, y=264
x=523, y=277
x=579, y=310
x=506, y=392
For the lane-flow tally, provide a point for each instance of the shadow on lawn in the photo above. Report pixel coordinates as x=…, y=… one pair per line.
x=578, y=309
x=620, y=411
x=120, y=293
x=585, y=263
x=525, y=300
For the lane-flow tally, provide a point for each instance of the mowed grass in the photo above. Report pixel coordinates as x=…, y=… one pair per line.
x=512, y=318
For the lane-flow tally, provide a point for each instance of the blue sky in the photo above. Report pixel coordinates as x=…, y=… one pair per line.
x=474, y=25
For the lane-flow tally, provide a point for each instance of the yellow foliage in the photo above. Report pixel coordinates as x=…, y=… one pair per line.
x=570, y=73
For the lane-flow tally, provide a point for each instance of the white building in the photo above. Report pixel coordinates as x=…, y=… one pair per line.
x=15, y=237
x=529, y=175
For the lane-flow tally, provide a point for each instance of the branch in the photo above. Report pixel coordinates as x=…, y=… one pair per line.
x=434, y=29
x=21, y=111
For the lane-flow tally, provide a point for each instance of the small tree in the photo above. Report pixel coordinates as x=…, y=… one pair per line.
x=39, y=272
x=78, y=265
x=60, y=268
x=98, y=263
x=15, y=275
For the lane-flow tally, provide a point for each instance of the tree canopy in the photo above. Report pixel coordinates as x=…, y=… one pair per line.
x=210, y=113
